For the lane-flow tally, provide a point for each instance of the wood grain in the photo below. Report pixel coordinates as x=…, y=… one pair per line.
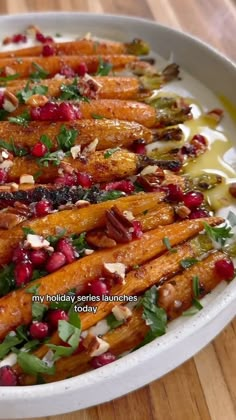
x=203, y=388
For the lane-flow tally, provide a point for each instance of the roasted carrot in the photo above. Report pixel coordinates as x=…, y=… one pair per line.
x=52, y=65
x=162, y=214
x=110, y=133
x=103, y=166
x=111, y=87
x=76, y=220
x=129, y=335
x=83, y=47
x=138, y=112
x=17, y=305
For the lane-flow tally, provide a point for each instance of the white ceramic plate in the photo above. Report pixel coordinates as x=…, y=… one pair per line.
x=185, y=337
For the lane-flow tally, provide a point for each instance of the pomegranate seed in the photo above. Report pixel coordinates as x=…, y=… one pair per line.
x=200, y=139
x=7, y=376
x=174, y=193
x=49, y=39
x=82, y=69
x=39, y=150
x=225, y=269
x=55, y=261
x=19, y=38
x=137, y=233
x=23, y=273
x=40, y=37
x=98, y=288
x=193, y=199
x=80, y=347
x=125, y=186
x=38, y=257
x=66, y=248
x=102, y=360
x=188, y=150
x=35, y=113
x=43, y=207
x=3, y=176
x=48, y=50
x=67, y=111
x=66, y=179
x=67, y=71
x=140, y=149
x=39, y=330
x=198, y=214
x=19, y=254
x=85, y=180
x=2, y=98
x=49, y=112
x=56, y=315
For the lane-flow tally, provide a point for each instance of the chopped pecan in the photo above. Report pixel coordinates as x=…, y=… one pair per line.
x=95, y=345
x=22, y=209
x=10, y=102
x=166, y=295
x=182, y=211
x=9, y=220
x=118, y=226
x=150, y=179
x=99, y=239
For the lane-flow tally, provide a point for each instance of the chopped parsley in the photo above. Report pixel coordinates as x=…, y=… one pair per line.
x=24, y=94
x=27, y=230
x=72, y=92
x=109, y=152
x=53, y=157
x=154, y=316
x=66, y=138
x=111, y=195
x=33, y=289
x=38, y=311
x=5, y=79
x=219, y=233
x=113, y=322
x=97, y=117
x=195, y=302
x=53, y=239
x=188, y=262
x=11, y=147
x=39, y=73
x=33, y=365
x=167, y=244
x=7, y=281
x=7, y=344
x=104, y=68
x=22, y=119
x=79, y=243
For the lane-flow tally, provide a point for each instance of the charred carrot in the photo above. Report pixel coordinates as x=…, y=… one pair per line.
x=83, y=47
x=129, y=335
x=110, y=133
x=76, y=220
x=103, y=166
x=34, y=67
x=17, y=305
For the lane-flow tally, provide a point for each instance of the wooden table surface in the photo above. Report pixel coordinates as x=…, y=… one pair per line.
x=205, y=386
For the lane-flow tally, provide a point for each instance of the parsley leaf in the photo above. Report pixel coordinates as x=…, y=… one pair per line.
x=80, y=243
x=219, y=233
x=111, y=195
x=54, y=158
x=21, y=332
x=24, y=94
x=167, y=244
x=22, y=119
x=113, y=322
x=31, y=345
x=153, y=315
x=188, y=262
x=196, y=287
x=4, y=79
x=62, y=305
x=11, y=147
x=46, y=141
x=104, y=68
x=33, y=365
x=109, y=152
x=38, y=311
x=53, y=239
x=9, y=342
x=195, y=302
x=27, y=230
x=97, y=117
x=66, y=138
x=61, y=351
x=72, y=92
x=7, y=281
x=40, y=72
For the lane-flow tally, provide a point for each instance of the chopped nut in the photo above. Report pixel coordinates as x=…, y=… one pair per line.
x=65, y=167
x=9, y=220
x=178, y=304
x=9, y=71
x=90, y=148
x=151, y=177
x=182, y=211
x=27, y=179
x=5, y=154
x=115, y=270
x=96, y=84
x=82, y=203
x=150, y=169
x=117, y=226
x=37, y=100
x=88, y=251
x=128, y=214
x=36, y=242
x=14, y=186
x=121, y=313
x=32, y=30
x=10, y=102
x=166, y=295
x=75, y=151
x=6, y=164
x=100, y=240
x=95, y=345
